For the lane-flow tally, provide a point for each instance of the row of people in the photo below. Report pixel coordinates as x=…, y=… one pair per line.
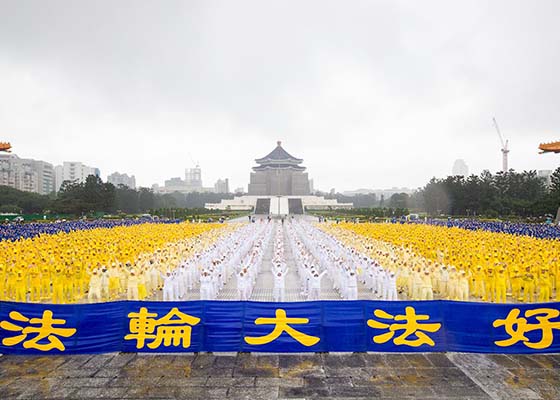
x=248, y=269
x=279, y=266
x=308, y=265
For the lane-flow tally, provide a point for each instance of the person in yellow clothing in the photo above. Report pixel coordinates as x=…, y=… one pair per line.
x=94, y=292
x=417, y=282
x=426, y=288
x=68, y=284
x=104, y=275
x=11, y=283
x=545, y=289
x=463, y=286
x=479, y=279
x=45, y=282
x=58, y=286
x=490, y=284
x=79, y=278
x=557, y=280
x=142, y=291
x=132, y=286
x=444, y=281
x=500, y=286
x=516, y=281
x=114, y=282
x=2, y=282
x=34, y=282
x=528, y=285
x=123, y=273
x=453, y=285
x=21, y=285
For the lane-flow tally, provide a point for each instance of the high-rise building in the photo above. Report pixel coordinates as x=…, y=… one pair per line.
x=221, y=186
x=45, y=177
x=26, y=174
x=460, y=168
x=193, y=178
x=122, y=179
x=191, y=183
x=73, y=172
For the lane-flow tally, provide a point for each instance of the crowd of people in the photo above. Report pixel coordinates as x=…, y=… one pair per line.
x=136, y=260
x=98, y=264
x=320, y=253
x=17, y=231
x=541, y=231
x=458, y=264
x=239, y=252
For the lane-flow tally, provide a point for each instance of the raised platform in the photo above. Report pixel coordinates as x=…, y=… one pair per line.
x=278, y=205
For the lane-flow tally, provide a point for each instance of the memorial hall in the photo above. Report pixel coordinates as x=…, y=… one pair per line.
x=279, y=185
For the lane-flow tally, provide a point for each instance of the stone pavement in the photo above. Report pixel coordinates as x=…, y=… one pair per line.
x=252, y=376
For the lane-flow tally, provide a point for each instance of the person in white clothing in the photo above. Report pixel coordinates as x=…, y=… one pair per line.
x=390, y=292
x=241, y=286
x=168, y=286
x=280, y=285
x=352, y=286
x=205, y=286
x=315, y=285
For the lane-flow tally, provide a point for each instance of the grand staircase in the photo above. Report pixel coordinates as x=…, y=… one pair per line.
x=295, y=206
x=263, y=206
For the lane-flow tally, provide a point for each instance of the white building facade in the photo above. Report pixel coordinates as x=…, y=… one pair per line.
x=221, y=186
x=27, y=175
x=73, y=171
x=191, y=183
x=122, y=179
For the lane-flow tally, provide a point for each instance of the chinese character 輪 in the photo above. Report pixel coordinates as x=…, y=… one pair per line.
x=165, y=330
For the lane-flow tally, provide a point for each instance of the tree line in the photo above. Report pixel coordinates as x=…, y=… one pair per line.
x=96, y=196
x=510, y=194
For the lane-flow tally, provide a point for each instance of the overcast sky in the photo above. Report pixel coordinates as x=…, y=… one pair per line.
x=370, y=94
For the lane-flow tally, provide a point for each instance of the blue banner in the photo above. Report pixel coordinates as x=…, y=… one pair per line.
x=315, y=326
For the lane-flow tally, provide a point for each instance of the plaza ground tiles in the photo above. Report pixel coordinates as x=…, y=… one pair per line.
x=310, y=376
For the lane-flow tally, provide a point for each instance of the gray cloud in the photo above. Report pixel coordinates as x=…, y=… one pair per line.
x=370, y=94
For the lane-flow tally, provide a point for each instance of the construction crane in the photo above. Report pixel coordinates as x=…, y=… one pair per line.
x=505, y=149
x=4, y=146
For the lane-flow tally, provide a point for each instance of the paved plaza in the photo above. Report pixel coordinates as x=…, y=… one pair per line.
x=252, y=376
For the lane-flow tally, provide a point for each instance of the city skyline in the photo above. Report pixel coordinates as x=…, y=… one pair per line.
x=377, y=94
x=221, y=182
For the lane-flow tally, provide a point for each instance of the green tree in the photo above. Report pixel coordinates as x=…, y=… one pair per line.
x=146, y=199
x=399, y=200
x=126, y=200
